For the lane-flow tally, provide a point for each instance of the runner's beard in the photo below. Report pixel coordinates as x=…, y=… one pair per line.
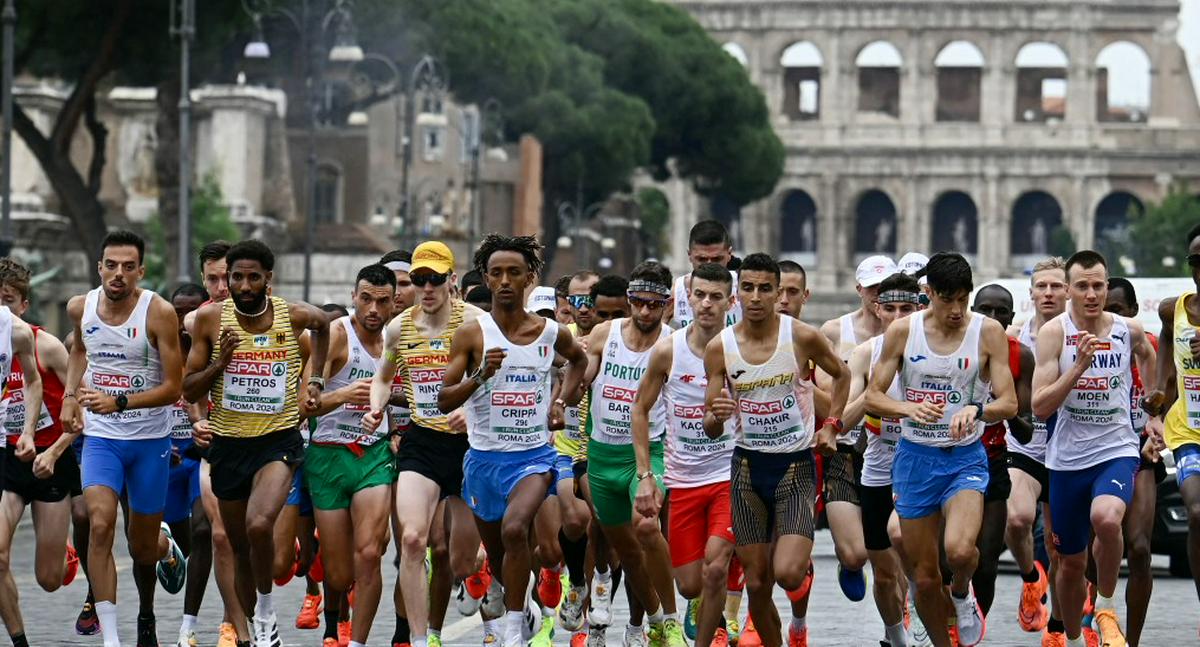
x=252, y=307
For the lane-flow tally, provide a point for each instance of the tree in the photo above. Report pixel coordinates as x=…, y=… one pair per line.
x=655, y=212
x=210, y=221
x=1158, y=242
x=1062, y=243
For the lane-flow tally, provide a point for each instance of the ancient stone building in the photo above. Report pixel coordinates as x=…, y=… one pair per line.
x=991, y=128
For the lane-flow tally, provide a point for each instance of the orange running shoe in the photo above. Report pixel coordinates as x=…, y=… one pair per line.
x=1109, y=629
x=953, y=636
x=1089, y=603
x=344, y=634
x=310, y=612
x=721, y=638
x=797, y=638
x=1057, y=639
x=227, y=636
x=1032, y=613
x=750, y=637
x=1092, y=638
x=72, y=565
x=579, y=639
x=549, y=588
x=477, y=584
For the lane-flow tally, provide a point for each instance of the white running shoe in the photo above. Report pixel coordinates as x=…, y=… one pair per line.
x=467, y=606
x=918, y=635
x=634, y=637
x=493, y=600
x=971, y=623
x=596, y=637
x=571, y=611
x=187, y=639
x=601, y=612
x=266, y=632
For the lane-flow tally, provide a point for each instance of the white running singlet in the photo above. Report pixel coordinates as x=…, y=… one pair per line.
x=683, y=314
x=1036, y=447
x=1093, y=423
x=692, y=458
x=121, y=360
x=510, y=412
x=343, y=425
x=845, y=349
x=774, y=405
x=610, y=412
x=950, y=380
x=881, y=447
x=6, y=361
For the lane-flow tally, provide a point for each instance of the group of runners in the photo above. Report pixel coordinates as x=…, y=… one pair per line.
x=527, y=448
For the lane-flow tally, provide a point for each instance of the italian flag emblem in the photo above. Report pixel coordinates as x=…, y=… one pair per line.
x=964, y=363
x=543, y=351
x=131, y=333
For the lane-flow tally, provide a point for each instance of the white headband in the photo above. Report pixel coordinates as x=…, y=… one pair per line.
x=398, y=266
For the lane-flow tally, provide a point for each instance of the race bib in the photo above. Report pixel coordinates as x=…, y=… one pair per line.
x=571, y=424
x=689, y=431
x=1092, y=401
x=1191, y=394
x=517, y=417
x=14, y=423
x=255, y=386
x=769, y=423
x=616, y=416
x=426, y=385
x=181, y=423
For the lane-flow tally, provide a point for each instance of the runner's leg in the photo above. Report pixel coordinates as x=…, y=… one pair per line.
x=1138, y=526
x=416, y=502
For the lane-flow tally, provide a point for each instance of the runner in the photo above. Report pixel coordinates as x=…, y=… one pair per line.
x=853, y=328
x=500, y=372
x=562, y=310
x=349, y=471
x=939, y=472
x=1027, y=471
x=246, y=352
x=1138, y=525
x=127, y=341
x=697, y=467
x=764, y=358
x=1178, y=397
x=996, y=302
x=417, y=344
x=1083, y=374
x=899, y=297
x=39, y=466
x=708, y=242
x=618, y=352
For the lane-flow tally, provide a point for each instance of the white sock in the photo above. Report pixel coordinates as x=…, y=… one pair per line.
x=265, y=607
x=1105, y=603
x=671, y=616
x=419, y=641
x=189, y=623
x=896, y=635
x=355, y=643
x=604, y=577
x=799, y=623
x=655, y=618
x=107, y=613
x=512, y=625
x=489, y=627
x=1077, y=642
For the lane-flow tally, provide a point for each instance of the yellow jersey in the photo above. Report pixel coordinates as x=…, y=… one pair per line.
x=1182, y=423
x=257, y=393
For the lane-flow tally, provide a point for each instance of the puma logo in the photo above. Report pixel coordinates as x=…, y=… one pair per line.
x=1119, y=337
x=1119, y=484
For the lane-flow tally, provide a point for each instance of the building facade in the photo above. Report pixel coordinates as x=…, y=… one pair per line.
x=994, y=129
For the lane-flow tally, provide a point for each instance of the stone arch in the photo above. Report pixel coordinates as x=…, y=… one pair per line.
x=875, y=224
x=1113, y=216
x=802, y=62
x=1041, y=82
x=879, y=64
x=959, y=67
x=1035, y=217
x=737, y=52
x=1122, y=82
x=798, y=223
x=955, y=224
x=327, y=193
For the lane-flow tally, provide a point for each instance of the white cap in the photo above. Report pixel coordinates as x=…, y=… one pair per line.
x=542, y=298
x=873, y=270
x=912, y=262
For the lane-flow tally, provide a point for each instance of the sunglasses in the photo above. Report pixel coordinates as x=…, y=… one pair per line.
x=421, y=280
x=579, y=301
x=653, y=304
x=1194, y=260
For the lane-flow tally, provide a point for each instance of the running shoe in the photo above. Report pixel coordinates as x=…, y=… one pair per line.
x=549, y=588
x=265, y=631
x=147, y=636
x=72, y=565
x=596, y=637
x=1032, y=614
x=227, y=636
x=720, y=638
x=673, y=634
x=467, y=606
x=434, y=640
x=570, y=614
x=970, y=623
x=918, y=635
x=734, y=630
x=172, y=569
x=472, y=592
x=797, y=637
x=343, y=633
x=1056, y=639
x=187, y=639
x=689, y=618
x=1091, y=638
x=601, y=613
x=493, y=602
x=490, y=637
x=310, y=612
x=1108, y=628
x=545, y=635
x=579, y=639
x=853, y=583
x=750, y=637
x=87, y=624
x=529, y=624
x=634, y=637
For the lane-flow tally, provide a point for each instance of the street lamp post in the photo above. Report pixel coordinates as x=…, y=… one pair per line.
x=9, y=17
x=186, y=30
x=345, y=50
x=425, y=76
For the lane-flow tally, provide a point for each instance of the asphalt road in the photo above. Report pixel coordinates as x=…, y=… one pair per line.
x=833, y=620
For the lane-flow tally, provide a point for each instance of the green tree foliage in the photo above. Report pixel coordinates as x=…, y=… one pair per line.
x=1157, y=239
x=210, y=221
x=1061, y=242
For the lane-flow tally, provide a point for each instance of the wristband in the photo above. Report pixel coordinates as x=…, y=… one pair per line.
x=317, y=381
x=978, y=407
x=645, y=475
x=836, y=423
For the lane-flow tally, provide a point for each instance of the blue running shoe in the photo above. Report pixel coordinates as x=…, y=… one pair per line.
x=172, y=569
x=853, y=583
x=689, y=618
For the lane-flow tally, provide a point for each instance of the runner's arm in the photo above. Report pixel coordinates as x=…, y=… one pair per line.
x=811, y=344
x=648, y=391
x=72, y=415
x=876, y=400
x=163, y=325
x=716, y=394
x=595, y=351
x=577, y=364
x=1004, y=396
x=52, y=355
x=338, y=356
x=860, y=367
x=316, y=322
x=1021, y=425
x=1143, y=354
x=385, y=371
x=201, y=373
x=456, y=389
x=1163, y=396
x=22, y=347
x=1050, y=385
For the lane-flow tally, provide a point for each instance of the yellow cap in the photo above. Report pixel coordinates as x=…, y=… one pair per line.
x=433, y=255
